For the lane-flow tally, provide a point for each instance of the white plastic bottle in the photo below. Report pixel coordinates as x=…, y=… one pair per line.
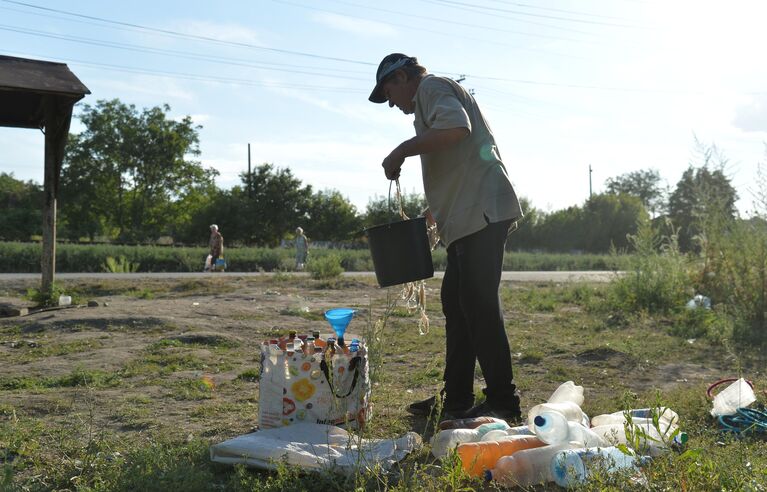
x=664, y=414
x=449, y=439
x=553, y=428
x=573, y=466
x=570, y=410
x=567, y=391
x=653, y=444
x=527, y=467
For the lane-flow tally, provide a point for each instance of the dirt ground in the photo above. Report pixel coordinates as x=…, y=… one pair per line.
x=181, y=357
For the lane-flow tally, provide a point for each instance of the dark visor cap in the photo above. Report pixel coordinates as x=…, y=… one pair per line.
x=387, y=66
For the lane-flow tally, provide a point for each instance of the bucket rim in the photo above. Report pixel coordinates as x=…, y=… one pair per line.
x=390, y=224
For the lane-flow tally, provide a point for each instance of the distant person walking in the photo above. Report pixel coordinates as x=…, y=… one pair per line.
x=302, y=248
x=216, y=246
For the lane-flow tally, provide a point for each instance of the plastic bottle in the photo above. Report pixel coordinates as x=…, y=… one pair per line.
x=570, y=410
x=737, y=395
x=448, y=439
x=354, y=347
x=567, y=391
x=663, y=413
x=476, y=457
x=309, y=347
x=573, y=466
x=651, y=443
x=319, y=342
x=527, y=467
x=600, y=420
x=467, y=423
x=553, y=428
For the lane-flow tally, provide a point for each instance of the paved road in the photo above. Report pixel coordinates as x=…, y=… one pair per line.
x=585, y=276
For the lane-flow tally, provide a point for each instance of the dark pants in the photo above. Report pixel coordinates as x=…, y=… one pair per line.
x=474, y=319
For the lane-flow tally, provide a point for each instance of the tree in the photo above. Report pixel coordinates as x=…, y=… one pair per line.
x=382, y=209
x=128, y=172
x=332, y=217
x=644, y=184
x=277, y=204
x=609, y=219
x=701, y=194
x=22, y=205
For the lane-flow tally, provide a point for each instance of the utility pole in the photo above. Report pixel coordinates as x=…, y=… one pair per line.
x=250, y=177
x=589, y=181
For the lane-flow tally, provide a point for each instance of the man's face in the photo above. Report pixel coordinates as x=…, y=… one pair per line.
x=399, y=92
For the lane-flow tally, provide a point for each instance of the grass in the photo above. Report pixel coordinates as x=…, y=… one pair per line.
x=144, y=421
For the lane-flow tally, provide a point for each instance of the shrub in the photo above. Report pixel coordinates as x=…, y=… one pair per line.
x=325, y=267
x=659, y=279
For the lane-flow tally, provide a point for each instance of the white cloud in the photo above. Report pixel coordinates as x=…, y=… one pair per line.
x=752, y=117
x=165, y=89
x=222, y=31
x=355, y=26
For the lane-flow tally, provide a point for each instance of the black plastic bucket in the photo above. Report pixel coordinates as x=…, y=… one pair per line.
x=400, y=252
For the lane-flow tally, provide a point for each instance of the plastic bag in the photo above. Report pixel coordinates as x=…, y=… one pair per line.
x=207, y=263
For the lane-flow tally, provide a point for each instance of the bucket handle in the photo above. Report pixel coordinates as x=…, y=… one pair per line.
x=399, y=199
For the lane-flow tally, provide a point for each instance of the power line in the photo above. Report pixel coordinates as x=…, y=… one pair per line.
x=477, y=8
x=564, y=11
x=189, y=36
x=410, y=15
x=195, y=77
x=174, y=53
x=451, y=35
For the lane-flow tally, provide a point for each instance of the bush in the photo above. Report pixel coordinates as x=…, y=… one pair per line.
x=659, y=279
x=325, y=267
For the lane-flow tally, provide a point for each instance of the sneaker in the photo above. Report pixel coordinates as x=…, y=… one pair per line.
x=485, y=409
x=428, y=406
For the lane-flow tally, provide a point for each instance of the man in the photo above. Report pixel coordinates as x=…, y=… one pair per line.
x=302, y=248
x=216, y=246
x=474, y=205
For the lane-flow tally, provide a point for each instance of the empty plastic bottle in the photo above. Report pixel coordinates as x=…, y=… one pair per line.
x=569, y=409
x=664, y=414
x=649, y=441
x=567, y=391
x=476, y=457
x=526, y=467
x=553, y=428
x=573, y=466
x=467, y=423
x=448, y=439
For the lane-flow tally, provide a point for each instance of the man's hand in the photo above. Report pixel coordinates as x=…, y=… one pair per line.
x=393, y=163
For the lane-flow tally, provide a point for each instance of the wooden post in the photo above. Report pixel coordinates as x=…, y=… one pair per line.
x=58, y=114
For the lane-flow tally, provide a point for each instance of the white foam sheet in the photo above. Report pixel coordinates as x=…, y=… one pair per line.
x=313, y=447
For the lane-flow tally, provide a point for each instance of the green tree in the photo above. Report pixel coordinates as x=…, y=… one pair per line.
x=608, y=219
x=526, y=238
x=129, y=172
x=382, y=209
x=332, y=217
x=644, y=184
x=276, y=204
x=702, y=193
x=21, y=204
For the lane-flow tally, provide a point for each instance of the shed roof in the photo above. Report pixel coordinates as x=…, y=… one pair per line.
x=24, y=85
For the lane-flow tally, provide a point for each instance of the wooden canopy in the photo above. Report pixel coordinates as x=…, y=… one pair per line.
x=41, y=94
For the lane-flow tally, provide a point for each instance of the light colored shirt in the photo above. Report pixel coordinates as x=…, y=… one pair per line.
x=466, y=186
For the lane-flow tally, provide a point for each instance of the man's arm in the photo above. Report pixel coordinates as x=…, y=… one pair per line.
x=431, y=140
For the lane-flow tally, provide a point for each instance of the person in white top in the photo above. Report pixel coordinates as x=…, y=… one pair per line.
x=475, y=207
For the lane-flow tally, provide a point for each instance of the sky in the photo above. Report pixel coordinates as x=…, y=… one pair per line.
x=612, y=85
